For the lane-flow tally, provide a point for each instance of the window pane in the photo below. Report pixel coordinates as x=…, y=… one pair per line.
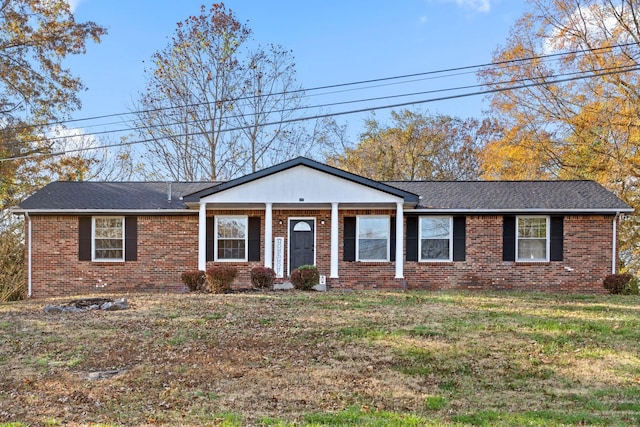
x=435, y=228
x=231, y=228
x=373, y=249
x=108, y=238
x=108, y=254
x=532, y=227
x=534, y=249
x=435, y=249
x=231, y=237
x=373, y=228
x=373, y=238
x=231, y=249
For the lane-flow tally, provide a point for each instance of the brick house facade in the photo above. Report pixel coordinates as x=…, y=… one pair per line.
x=551, y=236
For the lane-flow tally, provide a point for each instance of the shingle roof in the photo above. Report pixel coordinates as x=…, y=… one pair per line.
x=112, y=195
x=512, y=195
x=570, y=196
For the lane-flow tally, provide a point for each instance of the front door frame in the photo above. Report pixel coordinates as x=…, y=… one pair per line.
x=315, y=235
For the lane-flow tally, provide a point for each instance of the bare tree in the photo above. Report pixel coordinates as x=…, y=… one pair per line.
x=214, y=106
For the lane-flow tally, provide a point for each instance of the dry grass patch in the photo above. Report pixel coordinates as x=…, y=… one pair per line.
x=285, y=358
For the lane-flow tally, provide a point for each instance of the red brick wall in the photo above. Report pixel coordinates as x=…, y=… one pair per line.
x=586, y=261
x=168, y=245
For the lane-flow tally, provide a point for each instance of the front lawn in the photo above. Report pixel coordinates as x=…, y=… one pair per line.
x=298, y=358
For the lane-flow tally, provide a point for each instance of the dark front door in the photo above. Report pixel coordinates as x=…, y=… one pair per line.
x=301, y=241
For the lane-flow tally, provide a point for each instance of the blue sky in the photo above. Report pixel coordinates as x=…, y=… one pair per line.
x=333, y=42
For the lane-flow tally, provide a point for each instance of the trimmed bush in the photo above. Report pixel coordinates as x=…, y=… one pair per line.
x=196, y=281
x=623, y=284
x=221, y=277
x=262, y=277
x=305, y=277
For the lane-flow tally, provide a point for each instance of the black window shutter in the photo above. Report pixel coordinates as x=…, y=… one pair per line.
x=412, y=238
x=349, y=246
x=131, y=238
x=392, y=239
x=84, y=238
x=254, y=239
x=509, y=238
x=557, y=237
x=459, y=238
x=210, y=229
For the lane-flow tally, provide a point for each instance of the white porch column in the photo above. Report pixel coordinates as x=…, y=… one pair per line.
x=268, y=235
x=202, y=237
x=399, y=241
x=333, y=273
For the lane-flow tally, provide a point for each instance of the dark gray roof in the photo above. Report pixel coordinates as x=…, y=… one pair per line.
x=513, y=195
x=569, y=196
x=112, y=195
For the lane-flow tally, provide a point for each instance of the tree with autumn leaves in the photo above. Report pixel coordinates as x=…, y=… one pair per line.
x=35, y=91
x=417, y=145
x=576, y=111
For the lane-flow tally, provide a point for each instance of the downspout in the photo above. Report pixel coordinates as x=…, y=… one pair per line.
x=614, y=250
x=28, y=218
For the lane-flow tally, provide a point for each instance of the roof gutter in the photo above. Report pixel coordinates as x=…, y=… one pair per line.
x=524, y=210
x=18, y=211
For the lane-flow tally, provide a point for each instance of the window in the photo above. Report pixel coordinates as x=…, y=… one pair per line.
x=108, y=239
x=372, y=238
x=436, y=239
x=532, y=238
x=231, y=238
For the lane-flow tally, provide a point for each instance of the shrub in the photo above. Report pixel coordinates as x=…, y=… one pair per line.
x=305, y=277
x=624, y=284
x=262, y=277
x=13, y=277
x=195, y=280
x=221, y=277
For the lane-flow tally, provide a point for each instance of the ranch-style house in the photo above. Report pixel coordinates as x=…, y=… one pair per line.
x=551, y=236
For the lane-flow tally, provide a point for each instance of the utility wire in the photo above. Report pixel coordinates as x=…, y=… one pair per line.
x=542, y=82
x=361, y=82
x=334, y=104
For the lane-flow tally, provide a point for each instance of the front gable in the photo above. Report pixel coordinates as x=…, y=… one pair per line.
x=303, y=181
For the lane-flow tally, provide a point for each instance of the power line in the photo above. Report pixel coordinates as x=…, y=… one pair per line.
x=282, y=111
x=320, y=116
x=357, y=83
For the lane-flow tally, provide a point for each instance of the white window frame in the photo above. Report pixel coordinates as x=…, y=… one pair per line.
x=93, y=239
x=547, y=238
x=450, y=237
x=360, y=217
x=246, y=238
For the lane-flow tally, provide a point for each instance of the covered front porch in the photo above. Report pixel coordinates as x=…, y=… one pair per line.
x=302, y=206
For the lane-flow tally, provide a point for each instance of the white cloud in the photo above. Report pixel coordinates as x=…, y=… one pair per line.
x=597, y=23
x=74, y=141
x=73, y=4
x=476, y=5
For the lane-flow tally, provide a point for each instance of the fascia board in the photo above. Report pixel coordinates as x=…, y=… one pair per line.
x=528, y=210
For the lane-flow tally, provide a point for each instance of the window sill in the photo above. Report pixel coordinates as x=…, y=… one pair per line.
x=108, y=261
x=532, y=262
